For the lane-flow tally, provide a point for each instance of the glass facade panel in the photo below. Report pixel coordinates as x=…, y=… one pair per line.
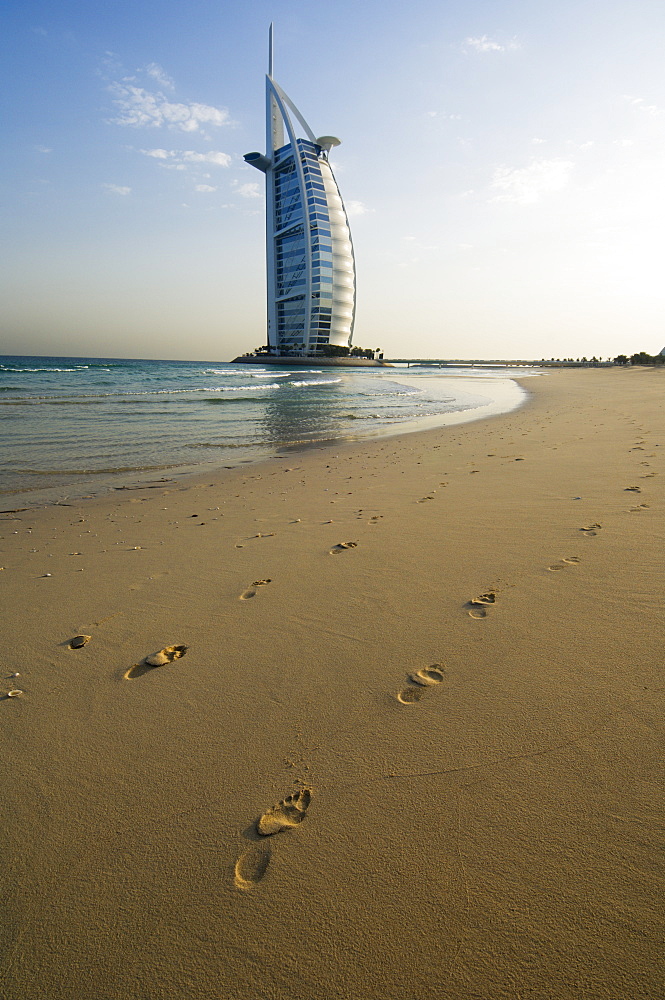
x=290, y=262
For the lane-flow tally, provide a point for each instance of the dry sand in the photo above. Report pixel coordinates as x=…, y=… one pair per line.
x=489, y=828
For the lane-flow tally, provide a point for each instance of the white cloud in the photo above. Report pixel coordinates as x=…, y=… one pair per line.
x=354, y=208
x=140, y=108
x=158, y=154
x=249, y=190
x=43, y=149
x=483, y=43
x=117, y=189
x=110, y=65
x=527, y=185
x=157, y=73
x=204, y=188
x=641, y=105
x=179, y=157
x=219, y=159
x=443, y=115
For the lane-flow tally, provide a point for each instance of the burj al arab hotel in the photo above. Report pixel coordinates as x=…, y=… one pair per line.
x=309, y=253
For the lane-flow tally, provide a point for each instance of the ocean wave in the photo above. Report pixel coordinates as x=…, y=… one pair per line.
x=225, y=444
x=359, y=416
x=131, y=395
x=323, y=381
x=77, y=369
x=385, y=393
x=241, y=388
x=95, y=472
x=226, y=400
x=219, y=371
x=261, y=372
x=105, y=367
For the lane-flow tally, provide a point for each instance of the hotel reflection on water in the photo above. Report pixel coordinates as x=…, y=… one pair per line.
x=299, y=415
x=309, y=253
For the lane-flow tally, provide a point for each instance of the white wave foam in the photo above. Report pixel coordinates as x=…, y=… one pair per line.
x=2, y=368
x=150, y=392
x=322, y=381
x=235, y=388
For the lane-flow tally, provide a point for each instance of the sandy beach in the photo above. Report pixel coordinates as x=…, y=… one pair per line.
x=442, y=653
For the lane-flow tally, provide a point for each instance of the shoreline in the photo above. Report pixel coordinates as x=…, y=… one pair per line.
x=103, y=483
x=489, y=828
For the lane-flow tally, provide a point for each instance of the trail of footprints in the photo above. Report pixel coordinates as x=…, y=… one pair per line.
x=291, y=811
x=640, y=506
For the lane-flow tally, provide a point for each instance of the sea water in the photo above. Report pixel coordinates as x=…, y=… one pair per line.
x=74, y=426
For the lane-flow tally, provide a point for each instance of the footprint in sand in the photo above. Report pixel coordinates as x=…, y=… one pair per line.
x=566, y=561
x=479, y=605
x=591, y=529
x=419, y=682
x=251, y=867
x=79, y=641
x=251, y=590
x=289, y=812
x=632, y=489
x=341, y=546
x=640, y=507
x=158, y=659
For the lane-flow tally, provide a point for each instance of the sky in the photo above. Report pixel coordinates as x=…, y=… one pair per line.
x=502, y=164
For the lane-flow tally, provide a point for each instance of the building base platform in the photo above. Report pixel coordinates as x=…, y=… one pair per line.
x=313, y=360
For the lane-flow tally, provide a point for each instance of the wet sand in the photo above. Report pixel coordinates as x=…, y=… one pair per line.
x=383, y=720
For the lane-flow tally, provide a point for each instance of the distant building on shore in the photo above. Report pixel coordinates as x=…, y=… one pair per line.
x=309, y=253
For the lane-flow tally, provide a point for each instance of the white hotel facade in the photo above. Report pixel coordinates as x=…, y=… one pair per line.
x=309, y=253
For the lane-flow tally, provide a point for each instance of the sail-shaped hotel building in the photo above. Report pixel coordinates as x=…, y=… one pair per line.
x=309, y=253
